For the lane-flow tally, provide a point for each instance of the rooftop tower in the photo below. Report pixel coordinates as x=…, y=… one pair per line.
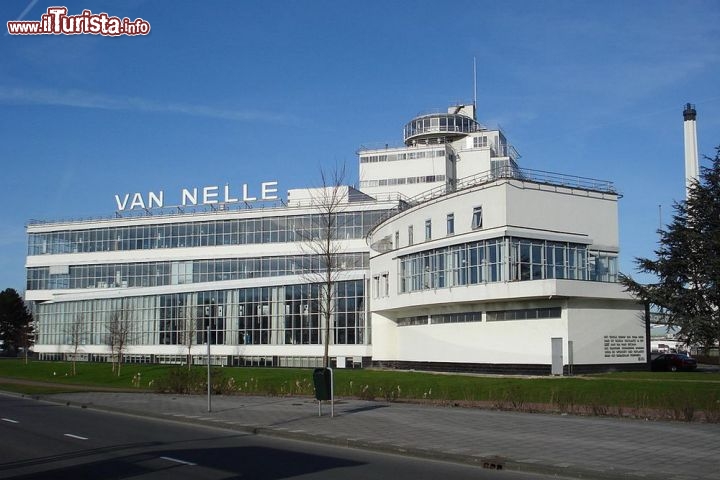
x=692, y=165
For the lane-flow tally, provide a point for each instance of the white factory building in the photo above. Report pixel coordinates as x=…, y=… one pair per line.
x=450, y=256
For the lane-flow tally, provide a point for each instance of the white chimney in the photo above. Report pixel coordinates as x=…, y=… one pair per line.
x=692, y=164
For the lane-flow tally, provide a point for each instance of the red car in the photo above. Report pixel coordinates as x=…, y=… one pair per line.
x=672, y=362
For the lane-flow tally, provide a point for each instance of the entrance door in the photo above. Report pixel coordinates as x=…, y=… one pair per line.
x=557, y=356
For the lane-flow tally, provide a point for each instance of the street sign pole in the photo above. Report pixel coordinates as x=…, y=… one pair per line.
x=208, y=369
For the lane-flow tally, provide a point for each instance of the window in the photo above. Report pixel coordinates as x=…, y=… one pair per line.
x=479, y=142
x=410, y=235
x=428, y=230
x=456, y=318
x=381, y=285
x=450, y=223
x=477, y=218
x=525, y=314
x=397, y=239
x=410, y=321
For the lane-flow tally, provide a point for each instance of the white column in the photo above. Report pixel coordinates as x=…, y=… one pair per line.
x=692, y=164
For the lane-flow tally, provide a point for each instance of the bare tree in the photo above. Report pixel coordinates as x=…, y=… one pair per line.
x=76, y=332
x=120, y=331
x=26, y=338
x=187, y=326
x=322, y=242
x=111, y=337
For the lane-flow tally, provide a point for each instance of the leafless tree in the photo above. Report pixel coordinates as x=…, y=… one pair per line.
x=26, y=338
x=120, y=329
x=322, y=242
x=187, y=326
x=76, y=332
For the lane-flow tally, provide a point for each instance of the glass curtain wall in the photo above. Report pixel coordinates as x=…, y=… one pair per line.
x=198, y=234
x=504, y=259
x=284, y=315
x=152, y=274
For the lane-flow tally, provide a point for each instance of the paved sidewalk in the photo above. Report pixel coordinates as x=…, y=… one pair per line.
x=587, y=447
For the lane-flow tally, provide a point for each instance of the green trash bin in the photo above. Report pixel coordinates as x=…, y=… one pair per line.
x=322, y=382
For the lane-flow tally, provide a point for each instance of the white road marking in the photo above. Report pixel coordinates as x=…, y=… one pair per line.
x=9, y=420
x=176, y=460
x=75, y=436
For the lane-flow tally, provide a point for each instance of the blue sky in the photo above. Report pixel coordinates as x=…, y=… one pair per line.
x=245, y=92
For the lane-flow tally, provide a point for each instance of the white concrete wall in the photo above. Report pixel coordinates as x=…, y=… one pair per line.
x=509, y=342
x=497, y=291
x=461, y=205
x=593, y=322
x=533, y=210
x=543, y=207
x=601, y=331
x=472, y=161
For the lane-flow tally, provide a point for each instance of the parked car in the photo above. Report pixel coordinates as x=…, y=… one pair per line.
x=672, y=362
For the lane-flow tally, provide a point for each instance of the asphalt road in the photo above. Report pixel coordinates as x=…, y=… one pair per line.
x=40, y=440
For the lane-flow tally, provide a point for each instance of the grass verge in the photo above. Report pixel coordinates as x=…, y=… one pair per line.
x=679, y=396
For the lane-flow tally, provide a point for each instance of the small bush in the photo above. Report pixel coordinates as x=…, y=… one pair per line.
x=712, y=410
x=367, y=392
x=564, y=401
x=680, y=408
x=515, y=397
x=194, y=381
x=390, y=393
x=598, y=410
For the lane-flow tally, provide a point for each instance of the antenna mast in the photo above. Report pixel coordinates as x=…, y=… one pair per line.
x=475, y=88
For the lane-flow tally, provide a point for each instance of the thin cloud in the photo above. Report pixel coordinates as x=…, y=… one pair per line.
x=84, y=99
x=24, y=12
x=27, y=9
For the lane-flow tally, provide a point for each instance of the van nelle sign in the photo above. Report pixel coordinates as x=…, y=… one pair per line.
x=199, y=196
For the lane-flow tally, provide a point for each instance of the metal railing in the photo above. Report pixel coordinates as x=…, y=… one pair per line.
x=523, y=174
x=510, y=173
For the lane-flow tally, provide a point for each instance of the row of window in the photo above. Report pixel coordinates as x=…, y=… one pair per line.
x=293, y=228
x=283, y=315
x=391, y=157
x=233, y=360
x=402, y=181
x=439, y=123
x=524, y=314
x=490, y=316
x=153, y=274
x=503, y=259
x=476, y=223
x=480, y=142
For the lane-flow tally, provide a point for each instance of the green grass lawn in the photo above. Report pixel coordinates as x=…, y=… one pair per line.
x=88, y=374
x=651, y=390
x=39, y=389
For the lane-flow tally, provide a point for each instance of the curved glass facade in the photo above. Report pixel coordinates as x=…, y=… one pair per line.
x=504, y=259
x=438, y=123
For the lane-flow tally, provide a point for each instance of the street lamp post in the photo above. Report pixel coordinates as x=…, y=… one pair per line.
x=209, y=383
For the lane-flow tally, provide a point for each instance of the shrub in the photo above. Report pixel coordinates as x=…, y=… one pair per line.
x=194, y=381
x=565, y=401
x=712, y=410
x=680, y=408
